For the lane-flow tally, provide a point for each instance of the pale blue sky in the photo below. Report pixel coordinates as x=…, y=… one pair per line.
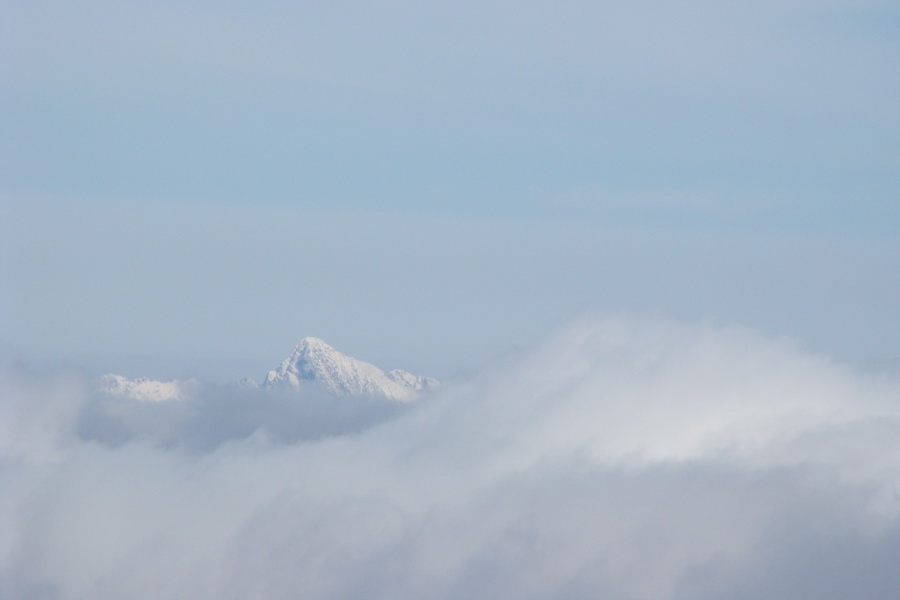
x=430, y=184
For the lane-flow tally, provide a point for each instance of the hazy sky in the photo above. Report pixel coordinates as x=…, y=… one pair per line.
x=427, y=185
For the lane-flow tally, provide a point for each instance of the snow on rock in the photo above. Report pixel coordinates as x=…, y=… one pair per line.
x=315, y=361
x=145, y=389
x=416, y=382
x=248, y=382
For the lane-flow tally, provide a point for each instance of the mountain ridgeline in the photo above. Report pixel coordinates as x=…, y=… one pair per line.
x=315, y=361
x=313, y=364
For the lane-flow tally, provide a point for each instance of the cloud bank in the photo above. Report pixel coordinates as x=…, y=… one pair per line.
x=625, y=458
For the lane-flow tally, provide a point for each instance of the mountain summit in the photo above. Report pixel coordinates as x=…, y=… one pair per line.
x=145, y=389
x=315, y=361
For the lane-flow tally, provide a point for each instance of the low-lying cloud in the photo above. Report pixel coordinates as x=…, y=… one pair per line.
x=625, y=458
x=214, y=415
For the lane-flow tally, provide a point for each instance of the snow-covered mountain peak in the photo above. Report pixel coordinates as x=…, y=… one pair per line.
x=311, y=348
x=314, y=344
x=313, y=360
x=145, y=389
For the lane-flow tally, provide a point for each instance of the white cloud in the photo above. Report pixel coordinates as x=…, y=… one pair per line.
x=624, y=458
x=38, y=412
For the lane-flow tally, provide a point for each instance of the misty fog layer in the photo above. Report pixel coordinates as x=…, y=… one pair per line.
x=217, y=414
x=624, y=458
